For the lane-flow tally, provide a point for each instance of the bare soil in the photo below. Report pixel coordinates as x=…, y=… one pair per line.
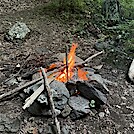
x=48, y=37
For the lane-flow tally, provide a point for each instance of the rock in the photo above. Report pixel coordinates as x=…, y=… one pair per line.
x=18, y=31
x=60, y=97
x=11, y=81
x=66, y=111
x=91, y=92
x=50, y=129
x=79, y=104
x=131, y=71
x=65, y=129
x=101, y=46
x=76, y=115
x=60, y=94
x=2, y=127
x=131, y=125
x=101, y=115
x=60, y=88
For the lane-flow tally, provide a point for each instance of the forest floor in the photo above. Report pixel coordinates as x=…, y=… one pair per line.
x=48, y=37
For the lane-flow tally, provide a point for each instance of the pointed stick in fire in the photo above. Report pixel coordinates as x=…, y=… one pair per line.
x=67, y=60
x=50, y=99
x=77, y=64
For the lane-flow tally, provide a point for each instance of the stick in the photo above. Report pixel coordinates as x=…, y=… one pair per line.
x=1, y=69
x=51, y=103
x=15, y=91
x=77, y=64
x=89, y=59
x=67, y=61
x=29, y=101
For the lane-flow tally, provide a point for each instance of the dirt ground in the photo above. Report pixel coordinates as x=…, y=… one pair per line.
x=48, y=37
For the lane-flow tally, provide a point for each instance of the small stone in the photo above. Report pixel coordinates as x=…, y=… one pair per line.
x=101, y=115
x=65, y=129
x=18, y=66
x=67, y=110
x=107, y=111
x=118, y=106
x=42, y=50
x=123, y=98
x=118, y=132
x=76, y=115
x=132, y=125
x=2, y=127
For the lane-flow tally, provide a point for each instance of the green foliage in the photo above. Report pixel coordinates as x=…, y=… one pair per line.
x=70, y=5
x=128, y=8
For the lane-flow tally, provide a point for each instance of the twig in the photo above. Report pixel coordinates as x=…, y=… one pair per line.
x=51, y=103
x=1, y=69
x=15, y=91
x=89, y=59
x=29, y=101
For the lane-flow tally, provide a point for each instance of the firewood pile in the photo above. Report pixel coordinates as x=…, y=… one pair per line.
x=68, y=87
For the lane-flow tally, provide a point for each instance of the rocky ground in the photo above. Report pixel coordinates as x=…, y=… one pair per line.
x=48, y=37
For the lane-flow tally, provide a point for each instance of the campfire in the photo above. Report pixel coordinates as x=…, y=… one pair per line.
x=66, y=88
x=68, y=72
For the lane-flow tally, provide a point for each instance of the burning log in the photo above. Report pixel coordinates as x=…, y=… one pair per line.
x=63, y=68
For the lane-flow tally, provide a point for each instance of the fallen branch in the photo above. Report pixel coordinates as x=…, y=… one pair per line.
x=51, y=103
x=89, y=59
x=15, y=91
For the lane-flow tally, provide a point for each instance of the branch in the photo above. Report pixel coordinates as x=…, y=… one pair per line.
x=29, y=101
x=89, y=59
x=15, y=91
x=76, y=64
x=51, y=103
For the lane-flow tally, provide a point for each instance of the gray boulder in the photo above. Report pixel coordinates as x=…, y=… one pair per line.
x=18, y=31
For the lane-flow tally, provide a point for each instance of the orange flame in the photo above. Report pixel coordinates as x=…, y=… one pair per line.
x=71, y=62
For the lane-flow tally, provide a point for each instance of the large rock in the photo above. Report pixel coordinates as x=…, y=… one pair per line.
x=18, y=31
x=91, y=92
x=60, y=94
x=79, y=104
x=131, y=71
x=60, y=98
